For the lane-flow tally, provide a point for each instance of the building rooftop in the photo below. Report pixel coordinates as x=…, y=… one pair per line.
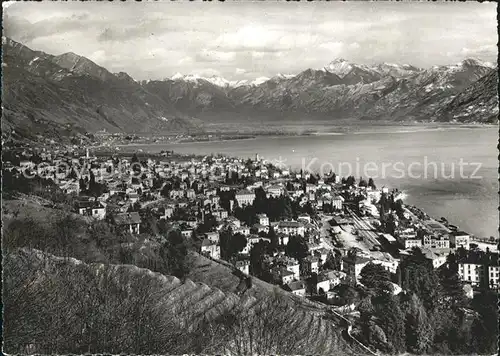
x=294, y=224
x=284, y=272
x=244, y=192
x=127, y=218
x=358, y=260
x=207, y=242
x=389, y=237
x=296, y=285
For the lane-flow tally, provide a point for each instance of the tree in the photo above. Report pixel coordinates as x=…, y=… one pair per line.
x=82, y=185
x=391, y=319
x=238, y=243
x=347, y=294
x=209, y=223
x=174, y=253
x=390, y=224
x=419, y=331
x=376, y=278
x=225, y=244
x=333, y=261
x=353, y=253
x=257, y=259
x=24, y=232
x=312, y=282
x=297, y=248
x=452, y=286
x=72, y=174
x=485, y=326
x=371, y=184
x=266, y=329
x=134, y=207
x=64, y=230
x=399, y=209
x=312, y=179
x=273, y=237
x=419, y=277
x=286, y=208
x=165, y=191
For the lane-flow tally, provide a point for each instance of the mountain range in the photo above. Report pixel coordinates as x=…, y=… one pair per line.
x=347, y=90
x=60, y=95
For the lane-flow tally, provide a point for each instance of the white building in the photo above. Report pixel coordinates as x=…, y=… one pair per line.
x=493, y=279
x=263, y=219
x=460, y=239
x=312, y=264
x=291, y=228
x=294, y=267
x=471, y=272
x=297, y=287
x=275, y=190
x=210, y=248
x=245, y=197
x=213, y=236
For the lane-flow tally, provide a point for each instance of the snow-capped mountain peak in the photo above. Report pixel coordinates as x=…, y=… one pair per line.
x=285, y=76
x=259, y=80
x=222, y=82
x=340, y=67
x=472, y=62
x=194, y=78
x=177, y=76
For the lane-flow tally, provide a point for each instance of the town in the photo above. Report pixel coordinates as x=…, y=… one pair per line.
x=227, y=181
x=327, y=239
x=306, y=233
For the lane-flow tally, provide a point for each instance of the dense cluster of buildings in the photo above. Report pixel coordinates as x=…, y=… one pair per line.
x=186, y=192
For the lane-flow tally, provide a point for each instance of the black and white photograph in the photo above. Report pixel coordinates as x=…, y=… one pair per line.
x=250, y=178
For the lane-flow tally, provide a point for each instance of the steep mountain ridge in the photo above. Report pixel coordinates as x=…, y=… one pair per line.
x=343, y=89
x=190, y=96
x=44, y=94
x=476, y=103
x=57, y=96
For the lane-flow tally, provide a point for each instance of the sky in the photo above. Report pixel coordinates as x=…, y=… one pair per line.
x=247, y=40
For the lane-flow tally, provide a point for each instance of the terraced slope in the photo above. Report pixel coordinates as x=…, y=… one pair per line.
x=223, y=277
x=62, y=305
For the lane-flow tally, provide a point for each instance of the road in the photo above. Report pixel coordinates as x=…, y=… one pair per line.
x=365, y=230
x=325, y=234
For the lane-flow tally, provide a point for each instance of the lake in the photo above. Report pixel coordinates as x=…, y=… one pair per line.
x=449, y=172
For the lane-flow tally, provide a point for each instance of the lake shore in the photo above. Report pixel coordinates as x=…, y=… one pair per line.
x=382, y=128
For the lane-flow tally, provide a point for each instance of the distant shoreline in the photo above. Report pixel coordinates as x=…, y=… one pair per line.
x=396, y=129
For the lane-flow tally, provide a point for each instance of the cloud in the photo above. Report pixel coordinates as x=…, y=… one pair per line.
x=335, y=47
x=258, y=54
x=207, y=72
x=261, y=39
x=249, y=40
x=185, y=60
x=207, y=55
x=140, y=29
x=481, y=51
x=354, y=46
